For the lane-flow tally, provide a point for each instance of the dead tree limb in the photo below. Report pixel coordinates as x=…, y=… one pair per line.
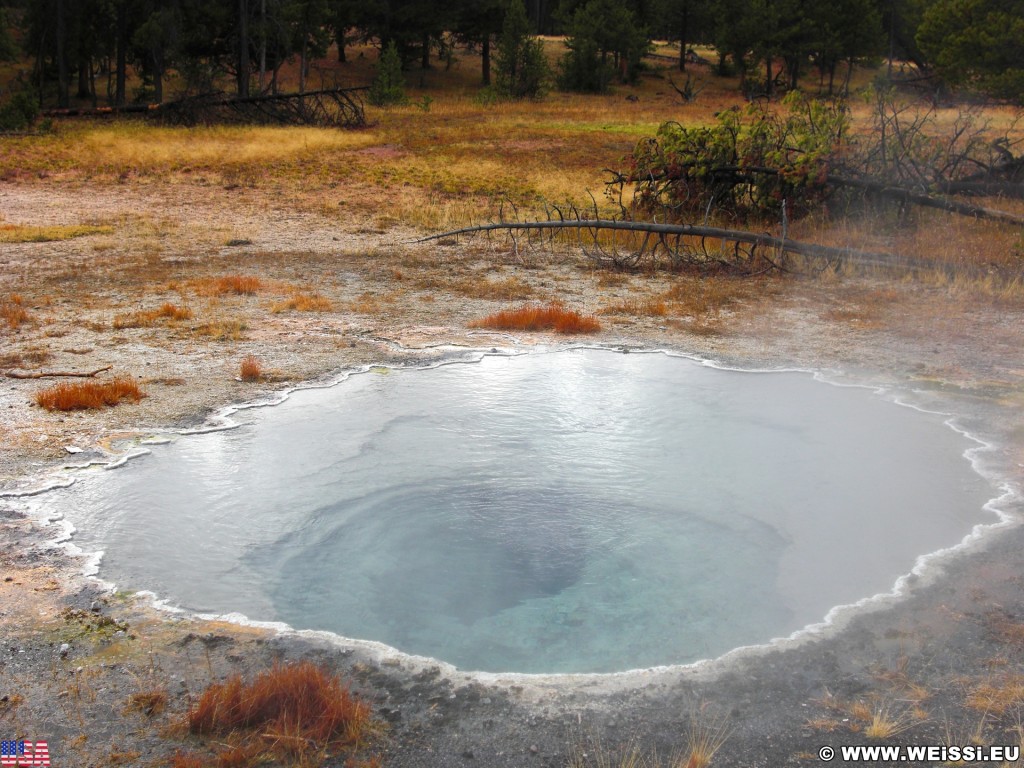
x=788, y=245
x=49, y=374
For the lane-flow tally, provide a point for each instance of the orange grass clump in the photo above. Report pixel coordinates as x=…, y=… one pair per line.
x=252, y=369
x=303, y=302
x=89, y=395
x=239, y=284
x=13, y=312
x=146, y=318
x=539, y=318
x=188, y=760
x=293, y=710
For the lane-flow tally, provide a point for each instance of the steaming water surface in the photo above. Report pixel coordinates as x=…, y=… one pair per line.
x=574, y=511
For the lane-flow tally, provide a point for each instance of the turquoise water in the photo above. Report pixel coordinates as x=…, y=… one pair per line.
x=575, y=511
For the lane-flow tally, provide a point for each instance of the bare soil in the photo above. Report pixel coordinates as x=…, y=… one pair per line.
x=74, y=655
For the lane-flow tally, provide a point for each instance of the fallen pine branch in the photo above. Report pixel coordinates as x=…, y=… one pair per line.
x=694, y=230
x=49, y=374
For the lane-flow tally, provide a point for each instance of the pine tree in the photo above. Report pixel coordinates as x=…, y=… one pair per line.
x=388, y=86
x=521, y=70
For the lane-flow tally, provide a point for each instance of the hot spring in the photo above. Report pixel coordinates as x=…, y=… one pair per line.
x=569, y=511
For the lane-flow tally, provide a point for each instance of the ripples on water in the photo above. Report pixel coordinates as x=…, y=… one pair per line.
x=574, y=511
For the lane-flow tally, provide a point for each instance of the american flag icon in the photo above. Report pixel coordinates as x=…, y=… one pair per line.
x=24, y=754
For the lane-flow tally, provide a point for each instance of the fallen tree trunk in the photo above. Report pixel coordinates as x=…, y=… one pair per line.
x=49, y=374
x=828, y=253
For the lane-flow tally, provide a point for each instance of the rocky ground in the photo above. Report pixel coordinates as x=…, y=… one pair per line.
x=945, y=662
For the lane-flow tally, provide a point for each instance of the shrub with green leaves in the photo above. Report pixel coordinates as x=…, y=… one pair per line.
x=18, y=111
x=747, y=164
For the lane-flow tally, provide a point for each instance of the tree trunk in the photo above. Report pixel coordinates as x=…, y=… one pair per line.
x=63, y=98
x=243, y=48
x=768, y=72
x=425, y=55
x=158, y=74
x=303, y=55
x=120, y=92
x=339, y=38
x=263, y=44
x=83, y=78
x=684, y=23
x=485, y=59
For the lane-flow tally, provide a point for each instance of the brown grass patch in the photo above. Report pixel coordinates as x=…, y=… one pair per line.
x=251, y=369
x=149, y=703
x=223, y=330
x=303, y=302
x=18, y=233
x=147, y=318
x=509, y=289
x=292, y=712
x=637, y=307
x=89, y=395
x=997, y=695
x=13, y=312
x=239, y=285
x=1004, y=629
x=552, y=317
x=188, y=760
x=709, y=294
x=31, y=357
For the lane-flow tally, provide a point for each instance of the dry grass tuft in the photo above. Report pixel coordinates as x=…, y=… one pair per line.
x=252, y=368
x=89, y=395
x=509, y=289
x=1004, y=629
x=637, y=308
x=149, y=703
x=147, y=318
x=706, y=736
x=553, y=317
x=13, y=312
x=30, y=357
x=188, y=760
x=303, y=302
x=17, y=233
x=294, y=713
x=240, y=285
x=997, y=695
x=886, y=723
x=223, y=330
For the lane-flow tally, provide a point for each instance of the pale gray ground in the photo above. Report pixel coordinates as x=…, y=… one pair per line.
x=395, y=302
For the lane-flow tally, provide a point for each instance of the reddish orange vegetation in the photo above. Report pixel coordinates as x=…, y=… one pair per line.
x=240, y=284
x=540, y=318
x=13, y=312
x=252, y=369
x=293, y=711
x=188, y=760
x=88, y=395
x=144, y=319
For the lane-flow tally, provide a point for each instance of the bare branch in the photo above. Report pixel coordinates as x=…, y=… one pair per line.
x=49, y=374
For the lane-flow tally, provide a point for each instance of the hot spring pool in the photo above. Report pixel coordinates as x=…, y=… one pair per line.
x=572, y=511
